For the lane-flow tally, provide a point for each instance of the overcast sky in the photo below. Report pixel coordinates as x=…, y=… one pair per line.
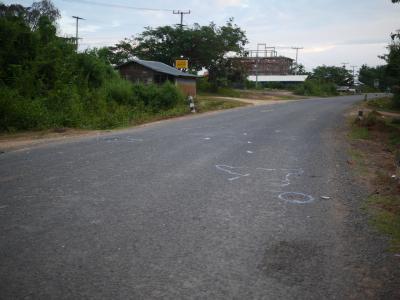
x=331, y=31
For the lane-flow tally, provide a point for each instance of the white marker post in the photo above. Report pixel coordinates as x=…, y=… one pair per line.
x=191, y=104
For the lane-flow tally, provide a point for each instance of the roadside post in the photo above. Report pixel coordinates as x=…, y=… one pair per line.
x=360, y=115
x=191, y=104
x=366, y=97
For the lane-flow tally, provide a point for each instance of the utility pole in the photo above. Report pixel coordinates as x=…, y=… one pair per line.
x=297, y=55
x=258, y=61
x=178, y=12
x=353, y=67
x=344, y=64
x=76, y=35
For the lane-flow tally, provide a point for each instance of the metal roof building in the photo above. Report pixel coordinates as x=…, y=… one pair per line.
x=278, y=78
x=156, y=72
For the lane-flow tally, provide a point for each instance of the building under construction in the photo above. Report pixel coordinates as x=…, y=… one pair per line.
x=265, y=62
x=264, y=65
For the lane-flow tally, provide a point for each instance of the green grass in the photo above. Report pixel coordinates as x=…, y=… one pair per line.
x=385, y=216
x=359, y=133
x=204, y=104
x=382, y=104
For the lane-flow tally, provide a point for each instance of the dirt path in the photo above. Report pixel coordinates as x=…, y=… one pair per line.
x=255, y=101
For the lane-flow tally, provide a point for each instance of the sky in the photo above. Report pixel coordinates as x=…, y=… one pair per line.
x=331, y=32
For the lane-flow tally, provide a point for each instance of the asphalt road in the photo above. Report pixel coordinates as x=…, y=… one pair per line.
x=251, y=203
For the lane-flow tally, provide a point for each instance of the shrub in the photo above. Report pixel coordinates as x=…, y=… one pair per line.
x=17, y=113
x=313, y=87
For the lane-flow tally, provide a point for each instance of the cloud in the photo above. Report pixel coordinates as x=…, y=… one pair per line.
x=232, y=3
x=318, y=49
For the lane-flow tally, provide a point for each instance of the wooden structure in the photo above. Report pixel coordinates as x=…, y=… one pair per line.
x=271, y=65
x=147, y=72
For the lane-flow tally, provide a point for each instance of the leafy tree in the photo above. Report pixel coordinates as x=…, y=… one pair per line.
x=392, y=70
x=40, y=9
x=368, y=75
x=204, y=46
x=299, y=70
x=31, y=15
x=336, y=75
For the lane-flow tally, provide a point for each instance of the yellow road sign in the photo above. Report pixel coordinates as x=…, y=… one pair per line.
x=182, y=64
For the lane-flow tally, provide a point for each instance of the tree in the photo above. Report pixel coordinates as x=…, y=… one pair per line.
x=40, y=9
x=204, y=46
x=299, y=70
x=368, y=75
x=392, y=71
x=336, y=75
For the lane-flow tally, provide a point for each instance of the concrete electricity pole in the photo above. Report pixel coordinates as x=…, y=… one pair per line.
x=354, y=68
x=76, y=35
x=258, y=61
x=297, y=55
x=178, y=12
x=344, y=64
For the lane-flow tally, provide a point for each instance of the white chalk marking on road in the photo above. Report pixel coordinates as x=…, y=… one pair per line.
x=278, y=131
x=129, y=139
x=228, y=169
x=325, y=197
x=249, y=152
x=207, y=138
x=248, y=142
x=295, y=197
x=245, y=133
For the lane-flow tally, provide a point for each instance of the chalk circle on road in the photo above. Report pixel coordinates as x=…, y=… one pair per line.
x=296, y=198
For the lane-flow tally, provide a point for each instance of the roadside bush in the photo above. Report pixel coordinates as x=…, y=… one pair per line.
x=44, y=83
x=17, y=113
x=120, y=91
x=169, y=97
x=313, y=87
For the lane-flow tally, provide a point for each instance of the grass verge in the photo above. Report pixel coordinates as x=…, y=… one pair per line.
x=374, y=154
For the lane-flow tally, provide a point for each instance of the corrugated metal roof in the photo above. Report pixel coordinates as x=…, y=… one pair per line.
x=278, y=78
x=160, y=67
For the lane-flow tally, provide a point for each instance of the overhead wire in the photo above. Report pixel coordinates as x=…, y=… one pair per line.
x=123, y=6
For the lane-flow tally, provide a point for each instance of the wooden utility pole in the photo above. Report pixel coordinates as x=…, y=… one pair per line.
x=297, y=56
x=178, y=12
x=76, y=34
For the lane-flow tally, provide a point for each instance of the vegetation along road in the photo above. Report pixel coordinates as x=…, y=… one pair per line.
x=252, y=203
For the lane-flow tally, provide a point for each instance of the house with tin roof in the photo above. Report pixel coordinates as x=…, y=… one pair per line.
x=148, y=72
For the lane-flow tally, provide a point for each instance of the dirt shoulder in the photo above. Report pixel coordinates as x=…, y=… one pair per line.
x=252, y=101
x=374, y=150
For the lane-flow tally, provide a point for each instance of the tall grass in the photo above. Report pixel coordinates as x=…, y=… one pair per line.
x=117, y=103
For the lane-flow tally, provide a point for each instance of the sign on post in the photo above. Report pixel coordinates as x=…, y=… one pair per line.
x=182, y=64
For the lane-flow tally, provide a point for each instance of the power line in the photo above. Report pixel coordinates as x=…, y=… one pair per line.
x=118, y=5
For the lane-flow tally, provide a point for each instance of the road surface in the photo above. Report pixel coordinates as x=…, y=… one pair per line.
x=251, y=203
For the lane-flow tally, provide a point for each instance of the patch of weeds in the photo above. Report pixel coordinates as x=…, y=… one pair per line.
x=384, y=103
x=359, y=133
x=358, y=160
x=394, y=139
x=385, y=216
